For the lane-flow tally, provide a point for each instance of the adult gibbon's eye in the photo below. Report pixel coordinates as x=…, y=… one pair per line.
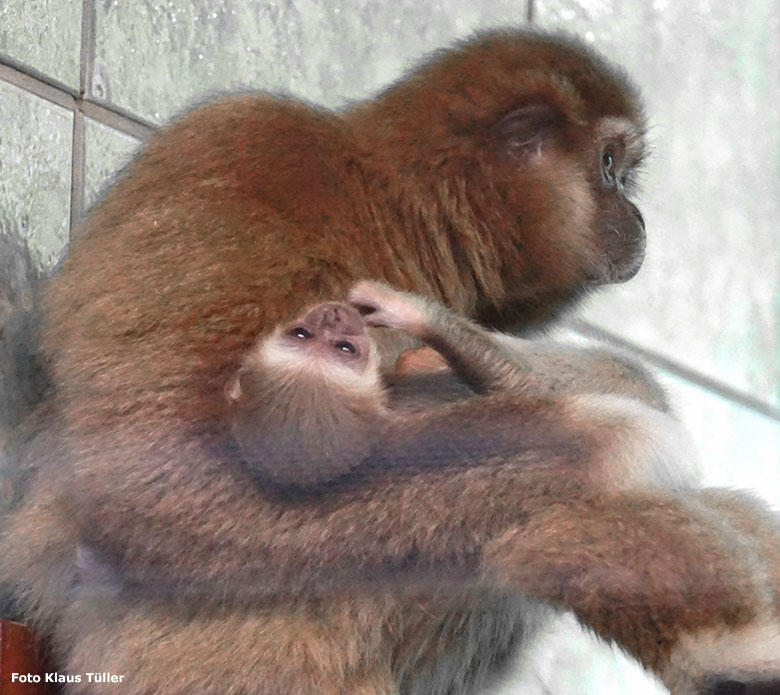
x=608, y=165
x=301, y=332
x=346, y=346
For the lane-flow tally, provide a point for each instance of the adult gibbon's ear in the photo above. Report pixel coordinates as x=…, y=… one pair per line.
x=524, y=130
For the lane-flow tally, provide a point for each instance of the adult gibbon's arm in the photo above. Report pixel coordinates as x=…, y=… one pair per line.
x=509, y=451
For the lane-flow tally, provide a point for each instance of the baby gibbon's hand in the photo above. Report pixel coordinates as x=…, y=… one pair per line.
x=382, y=306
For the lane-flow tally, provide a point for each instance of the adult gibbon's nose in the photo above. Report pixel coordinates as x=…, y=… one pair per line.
x=637, y=215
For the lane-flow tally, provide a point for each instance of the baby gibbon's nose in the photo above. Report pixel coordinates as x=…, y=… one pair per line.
x=341, y=318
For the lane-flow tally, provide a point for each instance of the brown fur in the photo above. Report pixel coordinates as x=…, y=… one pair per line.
x=476, y=181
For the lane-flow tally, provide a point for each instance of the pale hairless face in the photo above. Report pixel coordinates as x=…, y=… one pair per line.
x=332, y=331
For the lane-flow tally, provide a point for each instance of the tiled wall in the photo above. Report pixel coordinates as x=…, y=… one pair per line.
x=83, y=81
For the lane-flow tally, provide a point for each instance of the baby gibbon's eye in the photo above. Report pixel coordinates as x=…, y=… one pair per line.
x=301, y=332
x=346, y=346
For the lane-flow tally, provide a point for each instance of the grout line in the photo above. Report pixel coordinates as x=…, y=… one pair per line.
x=115, y=119
x=78, y=161
x=77, y=174
x=36, y=86
x=51, y=92
x=87, y=46
x=22, y=69
x=719, y=388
